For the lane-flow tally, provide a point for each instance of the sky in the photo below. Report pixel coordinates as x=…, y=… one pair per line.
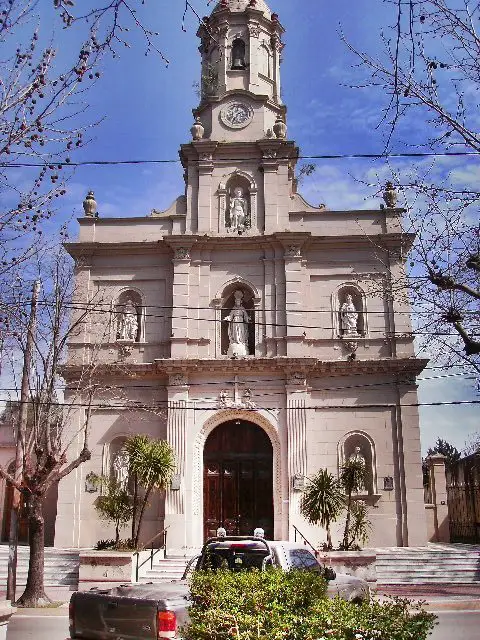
x=145, y=109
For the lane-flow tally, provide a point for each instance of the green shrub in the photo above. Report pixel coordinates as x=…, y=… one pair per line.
x=275, y=605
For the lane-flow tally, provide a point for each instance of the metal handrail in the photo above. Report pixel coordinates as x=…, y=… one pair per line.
x=153, y=552
x=305, y=541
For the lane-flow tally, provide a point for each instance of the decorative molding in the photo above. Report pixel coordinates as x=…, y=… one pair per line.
x=297, y=378
x=181, y=253
x=243, y=401
x=293, y=251
x=178, y=380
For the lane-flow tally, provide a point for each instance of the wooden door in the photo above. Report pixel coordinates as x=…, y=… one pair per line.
x=238, y=480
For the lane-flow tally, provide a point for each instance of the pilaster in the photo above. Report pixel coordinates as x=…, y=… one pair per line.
x=177, y=420
x=181, y=294
x=205, y=150
x=296, y=394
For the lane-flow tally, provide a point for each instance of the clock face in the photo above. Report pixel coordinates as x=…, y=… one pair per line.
x=236, y=115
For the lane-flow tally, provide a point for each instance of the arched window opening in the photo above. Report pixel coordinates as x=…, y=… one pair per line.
x=128, y=317
x=238, y=54
x=266, y=61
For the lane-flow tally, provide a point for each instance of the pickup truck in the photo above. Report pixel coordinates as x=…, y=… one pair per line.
x=155, y=611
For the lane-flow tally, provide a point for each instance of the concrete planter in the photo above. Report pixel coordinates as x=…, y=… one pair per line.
x=6, y=612
x=105, y=569
x=361, y=564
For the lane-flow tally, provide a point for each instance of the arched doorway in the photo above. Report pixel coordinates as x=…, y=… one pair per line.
x=238, y=479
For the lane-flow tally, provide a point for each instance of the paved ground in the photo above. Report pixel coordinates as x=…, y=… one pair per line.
x=33, y=625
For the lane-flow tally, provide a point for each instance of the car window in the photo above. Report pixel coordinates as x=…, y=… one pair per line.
x=303, y=559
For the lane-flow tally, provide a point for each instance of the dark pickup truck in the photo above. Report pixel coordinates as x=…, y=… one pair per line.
x=155, y=611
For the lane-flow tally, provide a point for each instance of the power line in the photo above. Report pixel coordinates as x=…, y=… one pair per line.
x=199, y=405
x=344, y=156
x=412, y=333
x=260, y=381
x=97, y=307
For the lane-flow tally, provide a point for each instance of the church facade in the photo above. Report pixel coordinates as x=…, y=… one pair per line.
x=251, y=330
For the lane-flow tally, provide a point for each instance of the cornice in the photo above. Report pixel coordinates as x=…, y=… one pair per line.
x=409, y=367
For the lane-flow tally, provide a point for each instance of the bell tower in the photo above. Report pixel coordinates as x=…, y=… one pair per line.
x=241, y=45
x=239, y=167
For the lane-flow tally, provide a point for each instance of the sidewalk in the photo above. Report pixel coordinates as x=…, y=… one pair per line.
x=437, y=597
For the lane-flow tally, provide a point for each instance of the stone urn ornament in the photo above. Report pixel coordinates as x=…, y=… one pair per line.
x=198, y=129
x=280, y=128
x=90, y=205
x=390, y=195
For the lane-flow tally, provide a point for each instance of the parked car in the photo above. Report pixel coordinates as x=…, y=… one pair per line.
x=155, y=611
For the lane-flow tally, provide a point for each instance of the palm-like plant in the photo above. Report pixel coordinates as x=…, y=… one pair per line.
x=114, y=505
x=322, y=501
x=152, y=465
x=352, y=479
x=360, y=524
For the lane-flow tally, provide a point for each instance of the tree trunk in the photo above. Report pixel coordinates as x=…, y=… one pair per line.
x=135, y=506
x=34, y=594
x=140, y=517
x=347, y=523
x=329, y=538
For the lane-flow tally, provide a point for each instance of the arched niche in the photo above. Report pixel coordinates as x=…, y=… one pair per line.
x=340, y=297
x=226, y=194
x=224, y=302
x=111, y=452
x=129, y=316
x=357, y=443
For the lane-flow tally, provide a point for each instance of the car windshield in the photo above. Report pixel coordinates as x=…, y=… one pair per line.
x=235, y=557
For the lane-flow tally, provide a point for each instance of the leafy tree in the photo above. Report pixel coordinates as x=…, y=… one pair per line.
x=115, y=505
x=452, y=454
x=352, y=478
x=323, y=501
x=428, y=73
x=152, y=465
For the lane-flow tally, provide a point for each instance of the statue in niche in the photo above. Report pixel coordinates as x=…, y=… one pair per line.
x=349, y=317
x=128, y=322
x=358, y=457
x=238, y=325
x=238, y=211
x=120, y=469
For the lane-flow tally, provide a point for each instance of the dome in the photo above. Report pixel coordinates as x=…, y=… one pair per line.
x=241, y=5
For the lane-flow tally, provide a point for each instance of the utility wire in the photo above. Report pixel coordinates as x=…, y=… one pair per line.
x=259, y=382
x=345, y=156
x=190, y=404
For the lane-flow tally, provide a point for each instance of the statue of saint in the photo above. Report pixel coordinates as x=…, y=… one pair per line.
x=357, y=456
x=238, y=210
x=349, y=317
x=238, y=321
x=120, y=468
x=128, y=322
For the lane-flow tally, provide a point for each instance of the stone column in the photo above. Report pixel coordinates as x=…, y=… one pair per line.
x=175, y=518
x=296, y=390
x=438, y=485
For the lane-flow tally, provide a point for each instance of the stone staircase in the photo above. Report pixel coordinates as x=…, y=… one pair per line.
x=61, y=567
x=455, y=564
x=164, y=569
